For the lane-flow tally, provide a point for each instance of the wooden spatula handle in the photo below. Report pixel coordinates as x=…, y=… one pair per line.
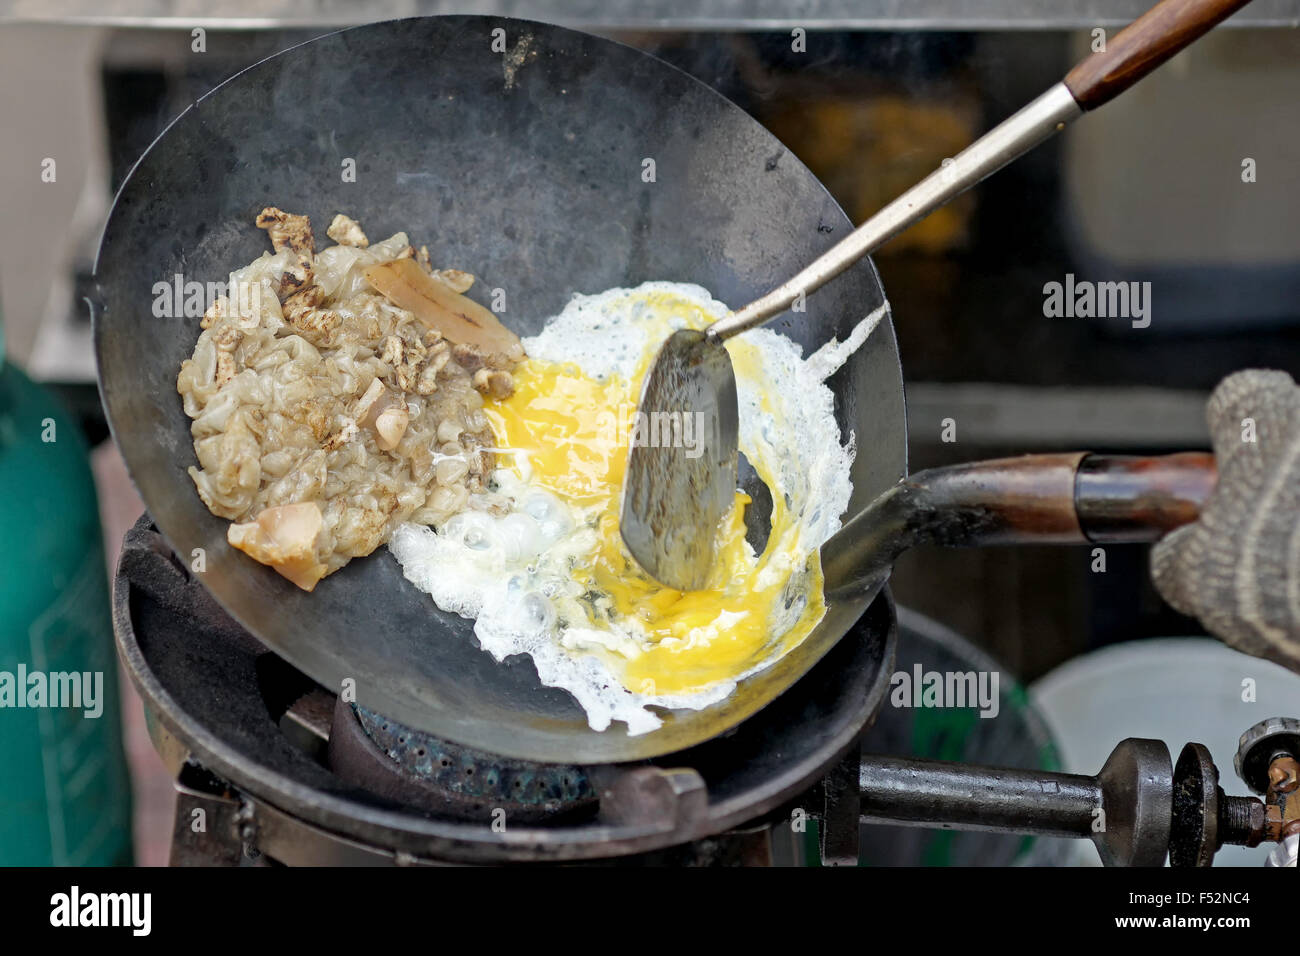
x=1143, y=45
x=1062, y=498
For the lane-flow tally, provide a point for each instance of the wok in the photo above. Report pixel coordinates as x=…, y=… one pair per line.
x=524, y=169
x=529, y=176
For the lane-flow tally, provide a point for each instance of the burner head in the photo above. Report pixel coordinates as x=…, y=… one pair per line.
x=385, y=757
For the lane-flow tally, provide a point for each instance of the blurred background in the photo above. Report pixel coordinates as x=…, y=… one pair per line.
x=1191, y=183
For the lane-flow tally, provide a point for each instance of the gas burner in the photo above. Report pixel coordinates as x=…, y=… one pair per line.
x=461, y=783
x=287, y=772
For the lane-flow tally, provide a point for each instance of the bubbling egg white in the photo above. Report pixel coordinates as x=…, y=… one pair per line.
x=547, y=575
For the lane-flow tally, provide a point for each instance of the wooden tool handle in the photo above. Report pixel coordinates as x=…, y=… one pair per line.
x=1123, y=498
x=1143, y=45
x=1061, y=498
x=1066, y=498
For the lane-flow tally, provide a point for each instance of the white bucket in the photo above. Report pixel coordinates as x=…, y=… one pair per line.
x=1171, y=689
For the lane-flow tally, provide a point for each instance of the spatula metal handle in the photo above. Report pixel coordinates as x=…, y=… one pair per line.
x=999, y=146
x=1133, y=53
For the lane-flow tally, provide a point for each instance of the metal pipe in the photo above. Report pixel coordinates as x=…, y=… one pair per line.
x=953, y=796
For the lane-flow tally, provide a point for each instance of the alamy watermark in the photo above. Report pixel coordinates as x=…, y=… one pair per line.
x=685, y=430
x=77, y=690
x=180, y=298
x=922, y=688
x=1083, y=299
x=133, y=911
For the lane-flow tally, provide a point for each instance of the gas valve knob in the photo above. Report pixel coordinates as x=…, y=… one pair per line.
x=1261, y=745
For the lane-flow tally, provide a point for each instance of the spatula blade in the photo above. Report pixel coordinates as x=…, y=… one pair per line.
x=681, y=467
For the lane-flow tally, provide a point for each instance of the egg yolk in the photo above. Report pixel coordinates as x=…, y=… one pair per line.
x=568, y=433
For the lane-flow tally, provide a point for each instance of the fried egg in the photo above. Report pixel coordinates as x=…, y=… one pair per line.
x=541, y=568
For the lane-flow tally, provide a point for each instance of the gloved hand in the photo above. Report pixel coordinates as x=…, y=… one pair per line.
x=1237, y=568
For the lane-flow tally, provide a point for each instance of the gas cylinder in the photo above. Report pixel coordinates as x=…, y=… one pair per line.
x=64, y=787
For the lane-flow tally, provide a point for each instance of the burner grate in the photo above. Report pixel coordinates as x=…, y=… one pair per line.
x=472, y=781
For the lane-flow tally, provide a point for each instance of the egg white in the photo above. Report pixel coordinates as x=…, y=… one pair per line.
x=512, y=573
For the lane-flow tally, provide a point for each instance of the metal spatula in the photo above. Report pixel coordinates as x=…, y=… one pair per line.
x=676, y=492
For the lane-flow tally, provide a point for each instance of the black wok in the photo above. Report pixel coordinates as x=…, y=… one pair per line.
x=529, y=176
x=526, y=169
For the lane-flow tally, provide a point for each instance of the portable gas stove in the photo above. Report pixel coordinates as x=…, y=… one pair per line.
x=285, y=769
x=272, y=768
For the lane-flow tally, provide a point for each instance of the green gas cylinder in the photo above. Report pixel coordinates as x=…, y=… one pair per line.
x=64, y=788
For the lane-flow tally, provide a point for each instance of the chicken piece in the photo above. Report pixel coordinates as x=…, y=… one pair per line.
x=384, y=413
x=287, y=231
x=226, y=338
x=218, y=310
x=346, y=433
x=284, y=537
x=293, y=233
x=473, y=357
x=390, y=426
x=318, y=326
x=373, y=401
x=346, y=232
x=427, y=383
x=312, y=413
x=438, y=357
x=469, y=357
x=294, y=279
x=454, y=279
x=225, y=368
x=494, y=382
x=392, y=351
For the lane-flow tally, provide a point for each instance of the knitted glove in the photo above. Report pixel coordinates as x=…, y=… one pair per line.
x=1237, y=568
